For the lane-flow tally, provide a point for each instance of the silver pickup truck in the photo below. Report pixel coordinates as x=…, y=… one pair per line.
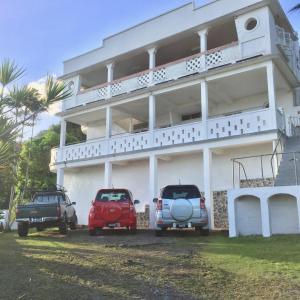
x=181, y=206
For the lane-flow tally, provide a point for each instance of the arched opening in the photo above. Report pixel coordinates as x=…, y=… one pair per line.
x=248, y=215
x=283, y=214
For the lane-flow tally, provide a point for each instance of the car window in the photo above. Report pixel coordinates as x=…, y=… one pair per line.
x=107, y=196
x=47, y=199
x=180, y=192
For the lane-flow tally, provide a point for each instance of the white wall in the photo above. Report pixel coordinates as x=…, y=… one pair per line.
x=82, y=185
x=283, y=214
x=134, y=177
x=187, y=169
x=248, y=216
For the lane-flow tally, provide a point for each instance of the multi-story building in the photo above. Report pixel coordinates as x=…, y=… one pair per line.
x=175, y=99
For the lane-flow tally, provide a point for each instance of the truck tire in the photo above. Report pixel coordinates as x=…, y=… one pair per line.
x=40, y=228
x=73, y=224
x=63, y=227
x=23, y=229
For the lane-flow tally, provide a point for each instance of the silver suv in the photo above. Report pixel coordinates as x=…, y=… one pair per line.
x=181, y=206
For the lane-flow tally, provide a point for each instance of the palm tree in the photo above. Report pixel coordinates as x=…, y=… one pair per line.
x=19, y=105
x=296, y=8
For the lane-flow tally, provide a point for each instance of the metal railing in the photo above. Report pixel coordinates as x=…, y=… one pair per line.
x=266, y=170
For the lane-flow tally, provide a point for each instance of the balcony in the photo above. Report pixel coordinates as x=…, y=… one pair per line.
x=190, y=65
x=239, y=124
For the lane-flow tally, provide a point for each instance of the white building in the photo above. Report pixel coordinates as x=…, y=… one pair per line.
x=175, y=99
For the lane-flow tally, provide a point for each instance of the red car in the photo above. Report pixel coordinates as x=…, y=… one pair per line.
x=112, y=208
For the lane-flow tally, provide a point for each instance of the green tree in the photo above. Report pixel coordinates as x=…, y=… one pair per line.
x=19, y=106
x=34, y=174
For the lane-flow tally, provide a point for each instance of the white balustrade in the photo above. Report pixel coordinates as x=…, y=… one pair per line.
x=239, y=124
x=130, y=142
x=171, y=71
x=180, y=134
x=218, y=127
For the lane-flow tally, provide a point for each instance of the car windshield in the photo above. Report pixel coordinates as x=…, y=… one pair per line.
x=46, y=199
x=181, y=192
x=118, y=196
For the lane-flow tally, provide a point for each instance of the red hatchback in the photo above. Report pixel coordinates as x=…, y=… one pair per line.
x=112, y=208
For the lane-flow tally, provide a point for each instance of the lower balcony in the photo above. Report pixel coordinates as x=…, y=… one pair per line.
x=248, y=122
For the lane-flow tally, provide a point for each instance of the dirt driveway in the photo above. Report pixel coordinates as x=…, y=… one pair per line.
x=125, y=266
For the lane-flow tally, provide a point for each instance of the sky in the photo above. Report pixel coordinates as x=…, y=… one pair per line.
x=40, y=34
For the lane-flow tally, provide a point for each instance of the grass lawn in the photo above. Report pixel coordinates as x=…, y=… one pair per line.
x=179, y=266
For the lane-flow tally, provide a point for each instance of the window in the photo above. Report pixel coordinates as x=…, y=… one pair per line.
x=48, y=198
x=251, y=24
x=181, y=192
x=112, y=195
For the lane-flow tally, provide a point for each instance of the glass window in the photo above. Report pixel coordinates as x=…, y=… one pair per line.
x=46, y=199
x=109, y=195
x=181, y=192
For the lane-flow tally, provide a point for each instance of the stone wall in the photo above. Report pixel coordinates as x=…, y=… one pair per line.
x=220, y=210
x=258, y=182
x=143, y=218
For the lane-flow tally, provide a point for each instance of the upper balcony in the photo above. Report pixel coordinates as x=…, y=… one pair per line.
x=222, y=42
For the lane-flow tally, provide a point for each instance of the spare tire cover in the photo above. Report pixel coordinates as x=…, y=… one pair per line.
x=181, y=210
x=111, y=211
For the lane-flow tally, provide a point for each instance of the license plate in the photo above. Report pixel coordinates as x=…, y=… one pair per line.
x=36, y=220
x=114, y=225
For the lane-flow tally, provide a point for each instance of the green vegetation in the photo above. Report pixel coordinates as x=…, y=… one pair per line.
x=49, y=266
x=19, y=108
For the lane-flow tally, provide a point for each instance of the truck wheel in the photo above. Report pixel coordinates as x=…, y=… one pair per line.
x=40, y=228
x=23, y=229
x=73, y=224
x=63, y=227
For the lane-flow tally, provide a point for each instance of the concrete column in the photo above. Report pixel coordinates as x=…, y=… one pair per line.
x=204, y=108
x=152, y=113
x=203, y=39
x=232, y=217
x=110, y=78
x=153, y=188
x=108, y=174
x=272, y=94
x=63, y=133
x=110, y=72
x=298, y=208
x=203, y=46
x=152, y=63
x=265, y=217
x=207, y=170
x=108, y=126
x=60, y=177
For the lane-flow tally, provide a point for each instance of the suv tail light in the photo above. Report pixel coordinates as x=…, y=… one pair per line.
x=202, y=202
x=159, y=204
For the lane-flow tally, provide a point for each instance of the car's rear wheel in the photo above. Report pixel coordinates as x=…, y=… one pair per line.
x=92, y=232
x=23, y=229
x=73, y=224
x=202, y=231
x=63, y=227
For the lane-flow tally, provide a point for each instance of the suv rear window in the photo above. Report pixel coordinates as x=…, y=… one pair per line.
x=116, y=195
x=180, y=192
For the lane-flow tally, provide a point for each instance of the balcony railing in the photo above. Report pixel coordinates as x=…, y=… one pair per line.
x=221, y=127
x=194, y=64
